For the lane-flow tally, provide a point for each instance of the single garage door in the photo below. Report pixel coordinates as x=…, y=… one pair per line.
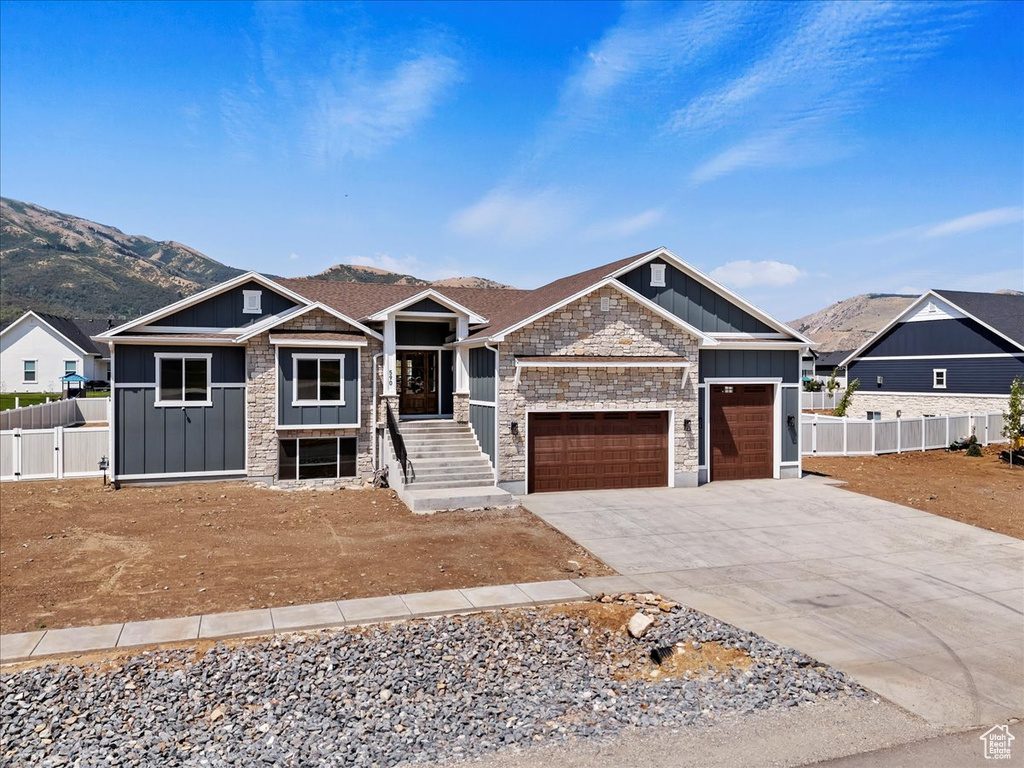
x=741, y=431
x=590, y=451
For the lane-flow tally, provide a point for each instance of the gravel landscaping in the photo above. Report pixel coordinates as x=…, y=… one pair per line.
x=416, y=691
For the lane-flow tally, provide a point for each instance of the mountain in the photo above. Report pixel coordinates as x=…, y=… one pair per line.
x=847, y=324
x=65, y=265
x=354, y=273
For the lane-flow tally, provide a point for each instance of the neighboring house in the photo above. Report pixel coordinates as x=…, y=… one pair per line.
x=642, y=372
x=37, y=350
x=948, y=352
x=827, y=363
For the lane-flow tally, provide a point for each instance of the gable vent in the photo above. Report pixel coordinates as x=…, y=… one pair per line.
x=252, y=302
x=606, y=303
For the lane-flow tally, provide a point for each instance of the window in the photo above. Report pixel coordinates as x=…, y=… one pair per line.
x=316, y=458
x=183, y=379
x=939, y=378
x=29, y=371
x=252, y=302
x=874, y=415
x=70, y=366
x=318, y=379
x=657, y=275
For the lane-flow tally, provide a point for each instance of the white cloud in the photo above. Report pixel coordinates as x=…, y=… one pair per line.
x=630, y=225
x=996, y=217
x=293, y=256
x=745, y=274
x=516, y=218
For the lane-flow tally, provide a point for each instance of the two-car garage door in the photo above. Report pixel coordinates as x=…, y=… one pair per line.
x=576, y=451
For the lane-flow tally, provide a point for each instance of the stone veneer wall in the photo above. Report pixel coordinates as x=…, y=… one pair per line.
x=460, y=408
x=581, y=328
x=261, y=398
x=918, y=405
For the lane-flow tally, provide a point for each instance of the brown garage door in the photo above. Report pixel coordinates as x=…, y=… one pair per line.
x=741, y=431
x=590, y=451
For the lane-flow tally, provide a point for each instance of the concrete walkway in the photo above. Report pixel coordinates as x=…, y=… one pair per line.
x=267, y=621
x=926, y=611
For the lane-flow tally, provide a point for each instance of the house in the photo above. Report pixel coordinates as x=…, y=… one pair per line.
x=37, y=350
x=948, y=352
x=820, y=366
x=641, y=372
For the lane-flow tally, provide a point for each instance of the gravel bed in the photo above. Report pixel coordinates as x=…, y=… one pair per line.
x=388, y=694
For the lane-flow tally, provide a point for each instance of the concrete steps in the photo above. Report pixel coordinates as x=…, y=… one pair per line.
x=439, y=500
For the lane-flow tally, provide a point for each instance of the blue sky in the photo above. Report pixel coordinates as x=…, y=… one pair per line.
x=799, y=152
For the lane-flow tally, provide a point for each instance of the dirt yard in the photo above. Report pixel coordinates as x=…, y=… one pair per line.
x=984, y=491
x=73, y=554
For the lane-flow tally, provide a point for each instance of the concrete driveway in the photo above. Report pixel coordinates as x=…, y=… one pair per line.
x=927, y=612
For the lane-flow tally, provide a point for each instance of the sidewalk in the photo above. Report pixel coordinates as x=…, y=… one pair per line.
x=268, y=621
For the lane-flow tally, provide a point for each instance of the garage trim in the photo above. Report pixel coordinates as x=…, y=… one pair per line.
x=617, y=409
x=776, y=384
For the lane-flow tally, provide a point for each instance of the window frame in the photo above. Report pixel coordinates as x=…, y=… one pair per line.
x=35, y=371
x=246, y=296
x=159, y=357
x=318, y=356
x=337, y=457
x=66, y=371
x=659, y=274
x=935, y=378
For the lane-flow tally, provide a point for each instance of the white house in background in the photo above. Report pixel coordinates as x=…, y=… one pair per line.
x=37, y=350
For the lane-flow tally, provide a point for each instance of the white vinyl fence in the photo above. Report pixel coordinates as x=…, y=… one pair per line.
x=39, y=454
x=831, y=436
x=59, y=413
x=819, y=401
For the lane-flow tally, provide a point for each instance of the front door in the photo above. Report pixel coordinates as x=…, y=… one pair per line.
x=417, y=382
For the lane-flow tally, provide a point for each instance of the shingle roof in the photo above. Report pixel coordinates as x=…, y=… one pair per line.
x=1002, y=311
x=78, y=331
x=832, y=358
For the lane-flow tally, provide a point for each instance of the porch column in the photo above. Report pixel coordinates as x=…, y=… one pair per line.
x=390, y=360
x=461, y=358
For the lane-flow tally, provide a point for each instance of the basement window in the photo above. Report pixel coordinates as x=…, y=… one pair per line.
x=252, y=302
x=183, y=380
x=316, y=458
x=318, y=379
x=657, y=275
x=938, y=378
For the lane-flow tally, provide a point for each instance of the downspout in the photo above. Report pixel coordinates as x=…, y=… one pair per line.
x=497, y=415
x=373, y=407
x=111, y=411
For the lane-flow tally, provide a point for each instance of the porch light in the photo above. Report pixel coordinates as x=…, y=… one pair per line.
x=514, y=427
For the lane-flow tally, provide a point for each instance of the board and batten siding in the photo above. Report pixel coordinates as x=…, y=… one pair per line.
x=315, y=415
x=964, y=376
x=225, y=309
x=414, y=334
x=693, y=302
x=483, y=389
x=428, y=305
x=151, y=440
x=939, y=337
x=750, y=364
x=481, y=419
x=790, y=431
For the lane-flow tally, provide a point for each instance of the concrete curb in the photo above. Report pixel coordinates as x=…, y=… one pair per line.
x=25, y=646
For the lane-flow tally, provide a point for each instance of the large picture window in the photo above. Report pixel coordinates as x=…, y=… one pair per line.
x=315, y=458
x=318, y=379
x=183, y=380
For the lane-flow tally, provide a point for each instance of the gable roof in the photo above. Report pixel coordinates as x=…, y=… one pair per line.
x=77, y=332
x=832, y=359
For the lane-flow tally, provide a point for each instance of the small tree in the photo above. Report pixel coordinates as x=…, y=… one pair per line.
x=832, y=384
x=1013, y=419
x=847, y=399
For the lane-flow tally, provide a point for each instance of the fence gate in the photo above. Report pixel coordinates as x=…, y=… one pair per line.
x=39, y=454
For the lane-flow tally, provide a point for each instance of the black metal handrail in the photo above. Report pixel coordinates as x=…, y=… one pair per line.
x=397, y=442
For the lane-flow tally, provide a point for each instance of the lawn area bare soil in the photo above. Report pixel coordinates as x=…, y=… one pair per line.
x=984, y=491
x=72, y=554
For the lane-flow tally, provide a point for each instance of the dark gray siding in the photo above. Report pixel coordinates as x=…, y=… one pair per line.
x=150, y=440
x=939, y=337
x=136, y=363
x=481, y=419
x=702, y=394
x=790, y=432
x=750, y=363
x=481, y=374
x=225, y=310
x=694, y=302
x=421, y=334
x=313, y=415
x=977, y=376
x=428, y=305
x=447, y=381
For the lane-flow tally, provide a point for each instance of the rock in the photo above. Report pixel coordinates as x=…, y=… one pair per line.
x=639, y=624
x=667, y=606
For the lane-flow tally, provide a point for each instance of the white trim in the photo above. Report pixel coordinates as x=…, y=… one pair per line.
x=748, y=380
x=429, y=293
x=313, y=427
x=657, y=309
x=576, y=362
x=890, y=358
x=789, y=463
x=737, y=336
x=164, y=340
x=196, y=298
x=260, y=328
x=159, y=357
x=37, y=317
x=927, y=393
x=935, y=378
x=250, y=307
x=422, y=347
x=483, y=403
x=283, y=341
x=166, y=475
x=296, y=357
x=658, y=273
x=189, y=329
x=425, y=317
x=761, y=345
x=696, y=274
x=75, y=361
x=35, y=370
x=776, y=383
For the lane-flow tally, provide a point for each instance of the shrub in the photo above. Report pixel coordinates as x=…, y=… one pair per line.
x=847, y=399
x=1013, y=417
x=974, y=450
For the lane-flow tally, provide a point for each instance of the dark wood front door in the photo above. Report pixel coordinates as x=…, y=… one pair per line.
x=741, y=431
x=591, y=451
x=417, y=382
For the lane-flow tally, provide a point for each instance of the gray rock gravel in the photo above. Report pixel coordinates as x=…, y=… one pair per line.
x=389, y=694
